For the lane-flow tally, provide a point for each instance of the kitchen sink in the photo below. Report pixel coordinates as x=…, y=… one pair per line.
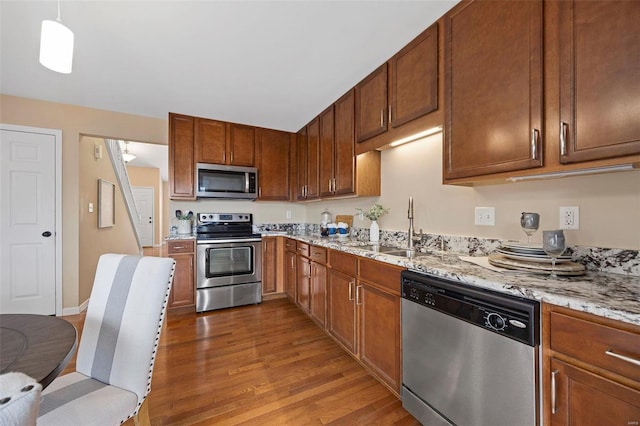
x=380, y=248
x=394, y=251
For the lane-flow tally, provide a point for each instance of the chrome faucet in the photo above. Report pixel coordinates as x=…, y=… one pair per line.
x=412, y=234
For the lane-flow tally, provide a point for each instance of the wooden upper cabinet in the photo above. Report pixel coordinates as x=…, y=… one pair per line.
x=326, y=152
x=493, y=87
x=599, y=79
x=272, y=150
x=313, y=159
x=219, y=142
x=371, y=105
x=241, y=145
x=344, y=145
x=211, y=141
x=413, y=79
x=301, y=150
x=181, y=157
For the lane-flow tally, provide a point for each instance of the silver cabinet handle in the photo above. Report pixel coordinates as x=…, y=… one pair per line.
x=554, y=408
x=351, y=283
x=358, y=301
x=382, y=117
x=389, y=114
x=563, y=138
x=633, y=361
x=534, y=143
x=330, y=186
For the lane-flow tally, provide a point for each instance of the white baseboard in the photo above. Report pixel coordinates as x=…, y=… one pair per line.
x=77, y=309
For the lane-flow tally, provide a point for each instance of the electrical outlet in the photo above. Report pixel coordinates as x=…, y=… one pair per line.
x=288, y=214
x=570, y=217
x=485, y=216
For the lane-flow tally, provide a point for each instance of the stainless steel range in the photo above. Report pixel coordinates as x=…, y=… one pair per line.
x=229, y=259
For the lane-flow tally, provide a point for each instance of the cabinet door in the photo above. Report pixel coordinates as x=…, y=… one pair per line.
x=181, y=157
x=211, y=141
x=380, y=334
x=269, y=264
x=341, y=307
x=273, y=164
x=182, y=289
x=326, y=152
x=414, y=78
x=599, y=79
x=583, y=398
x=241, y=145
x=290, y=275
x=313, y=159
x=303, y=267
x=493, y=87
x=344, y=156
x=371, y=105
x=318, y=287
x=302, y=145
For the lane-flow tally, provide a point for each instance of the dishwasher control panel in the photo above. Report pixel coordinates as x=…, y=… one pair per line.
x=511, y=316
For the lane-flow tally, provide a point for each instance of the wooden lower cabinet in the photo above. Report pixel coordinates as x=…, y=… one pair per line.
x=364, y=313
x=303, y=268
x=290, y=274
x=585, y=383
x=182, y=295
x=318, y=291
x=341, y=309
x=269, y=264
x=583, y=398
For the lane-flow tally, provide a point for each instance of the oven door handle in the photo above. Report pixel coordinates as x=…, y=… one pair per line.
x=248, y=240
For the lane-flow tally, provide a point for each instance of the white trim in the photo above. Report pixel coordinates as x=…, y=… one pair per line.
x=57, y=134
x=76, y=309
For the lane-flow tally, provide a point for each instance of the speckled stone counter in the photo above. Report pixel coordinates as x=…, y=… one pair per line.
x=180, y=237
x=614, y=296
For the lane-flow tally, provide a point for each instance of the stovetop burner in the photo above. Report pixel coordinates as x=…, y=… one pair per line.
x=216, y=226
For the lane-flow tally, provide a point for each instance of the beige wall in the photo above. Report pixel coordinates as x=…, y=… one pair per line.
x=95, y=241
x=75, y=121
x=150, y=177
x=609, y=204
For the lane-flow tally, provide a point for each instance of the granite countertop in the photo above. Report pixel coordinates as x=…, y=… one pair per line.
x=614, y=296
x=180, y=237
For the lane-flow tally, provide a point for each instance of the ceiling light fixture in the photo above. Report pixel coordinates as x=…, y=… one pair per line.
x=56, y=45
x=417, y=136
x=126, y=155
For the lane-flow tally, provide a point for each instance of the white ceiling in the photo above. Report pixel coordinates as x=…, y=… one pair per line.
x=275, y=64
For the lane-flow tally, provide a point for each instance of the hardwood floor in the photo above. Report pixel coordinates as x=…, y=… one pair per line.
x=266, y=364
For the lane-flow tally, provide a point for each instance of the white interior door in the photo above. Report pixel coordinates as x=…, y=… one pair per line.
x=29, y=272
x=143, y=197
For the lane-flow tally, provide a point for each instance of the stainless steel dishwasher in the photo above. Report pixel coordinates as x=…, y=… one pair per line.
x=469, y=355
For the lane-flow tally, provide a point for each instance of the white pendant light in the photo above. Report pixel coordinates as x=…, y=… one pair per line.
x=126, y=155
x=56, y=45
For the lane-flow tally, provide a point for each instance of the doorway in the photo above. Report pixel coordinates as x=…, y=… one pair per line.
x=146, y=222
x=30, y=220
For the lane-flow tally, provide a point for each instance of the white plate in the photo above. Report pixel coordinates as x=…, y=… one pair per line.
x=522, y=248
x=544, y=258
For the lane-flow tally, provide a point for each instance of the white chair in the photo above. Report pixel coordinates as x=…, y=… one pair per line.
x=118, y=345
x=19, y=399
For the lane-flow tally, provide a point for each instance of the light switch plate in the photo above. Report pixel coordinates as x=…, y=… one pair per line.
x=485, y=216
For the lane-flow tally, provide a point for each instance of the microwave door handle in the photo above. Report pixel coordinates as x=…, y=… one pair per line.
x=246, y=182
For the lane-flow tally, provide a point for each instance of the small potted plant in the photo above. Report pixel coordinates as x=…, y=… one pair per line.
x=373, y=214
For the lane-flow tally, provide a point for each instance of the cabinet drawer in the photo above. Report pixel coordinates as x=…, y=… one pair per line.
x=596, y=343
x=303, y=249
x=290, y=245
x=180, y=246
x=318, y=254
x=343, y=262
x=384, y=275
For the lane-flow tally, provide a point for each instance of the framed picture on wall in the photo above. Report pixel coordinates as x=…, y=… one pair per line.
x=106, y=203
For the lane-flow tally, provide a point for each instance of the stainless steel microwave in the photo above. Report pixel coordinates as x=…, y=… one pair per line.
x=220, y=181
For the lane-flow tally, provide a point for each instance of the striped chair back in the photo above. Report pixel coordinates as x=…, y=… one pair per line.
x=124, y=320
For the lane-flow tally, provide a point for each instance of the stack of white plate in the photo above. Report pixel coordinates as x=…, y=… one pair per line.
x=533, y=259
x=528, y=253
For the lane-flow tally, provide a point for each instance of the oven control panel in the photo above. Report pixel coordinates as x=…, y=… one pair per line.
x=224, y=217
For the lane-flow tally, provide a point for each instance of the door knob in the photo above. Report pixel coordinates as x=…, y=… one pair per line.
x=46, y=234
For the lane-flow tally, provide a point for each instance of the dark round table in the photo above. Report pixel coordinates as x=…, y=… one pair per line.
x=39, y=346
